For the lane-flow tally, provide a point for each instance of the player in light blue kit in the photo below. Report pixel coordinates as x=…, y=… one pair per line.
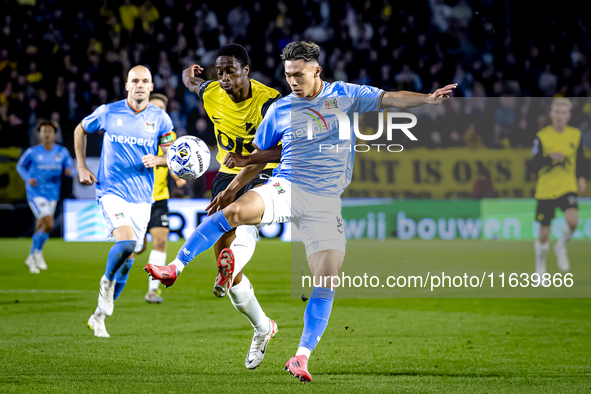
x=41, y=167
x=133, y=130
x=316, y=178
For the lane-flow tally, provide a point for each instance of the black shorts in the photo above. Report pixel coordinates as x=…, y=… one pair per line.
x=222, y=180
x=546, y=208
x=159, y=215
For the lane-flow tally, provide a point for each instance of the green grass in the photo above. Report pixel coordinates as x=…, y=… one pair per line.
x=197, y=343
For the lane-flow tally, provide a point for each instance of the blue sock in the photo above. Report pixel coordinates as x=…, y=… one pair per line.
x=204, y=236
x=121, y=277
x=42, y=237
x=316, y=316
x=35, y=242
x=117, y=255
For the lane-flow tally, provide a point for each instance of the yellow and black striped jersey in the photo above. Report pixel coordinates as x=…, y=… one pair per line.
x=557, y=178
x=161, y=179
x=235, y=124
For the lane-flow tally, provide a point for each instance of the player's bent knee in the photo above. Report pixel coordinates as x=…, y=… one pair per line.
x=127, y=247
x=236, y=214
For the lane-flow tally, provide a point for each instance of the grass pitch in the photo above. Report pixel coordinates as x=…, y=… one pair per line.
x=197, y=343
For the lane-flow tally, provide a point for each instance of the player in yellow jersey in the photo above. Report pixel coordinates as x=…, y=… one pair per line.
x=158, y=224
x=558, y=158
x=236, y=105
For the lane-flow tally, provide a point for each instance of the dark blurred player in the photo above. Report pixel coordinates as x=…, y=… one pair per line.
x=41, y=167
x=158, y=224
x=558, y=159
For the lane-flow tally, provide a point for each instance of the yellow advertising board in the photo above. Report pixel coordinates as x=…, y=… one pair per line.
x=444, y=173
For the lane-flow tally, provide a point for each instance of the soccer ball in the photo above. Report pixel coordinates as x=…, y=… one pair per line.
x=188, y=157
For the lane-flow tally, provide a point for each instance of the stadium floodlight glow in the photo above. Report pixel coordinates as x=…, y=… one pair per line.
x=345, y=125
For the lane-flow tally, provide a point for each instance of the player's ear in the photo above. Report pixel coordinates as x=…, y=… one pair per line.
x=317, y=71
x=126, y=86
x=246, y=70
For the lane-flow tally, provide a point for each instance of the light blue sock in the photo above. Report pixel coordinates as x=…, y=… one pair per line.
x=316, y=316
x=117, y=255
x=204, y=236
x=35, y=242
x=42, y=237
x=121, y=277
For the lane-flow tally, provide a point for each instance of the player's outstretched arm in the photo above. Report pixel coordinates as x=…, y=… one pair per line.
x=190, y=78
x=404, y=99
x=85, y=176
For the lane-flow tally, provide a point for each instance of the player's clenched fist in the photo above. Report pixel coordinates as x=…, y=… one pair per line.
x=85, y=176
x=235, y=160
x=149, y=161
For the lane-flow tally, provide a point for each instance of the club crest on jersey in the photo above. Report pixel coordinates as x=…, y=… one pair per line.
x=150, y=127
x=119, y=122
x=280, y=190
x=57, y=157
x=330, y=104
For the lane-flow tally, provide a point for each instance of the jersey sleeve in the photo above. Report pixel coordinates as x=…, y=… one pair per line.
x=95, y=121
x=22, y=167
x=539, y=161
x=166, y=135
x=267, y=104
x=580, y=161
x=367, y=98
x=203, y=87
x=67, y=163
x=268, y=134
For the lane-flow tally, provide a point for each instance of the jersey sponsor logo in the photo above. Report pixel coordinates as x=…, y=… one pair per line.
x=119, y=122
x=150, y=127
x=125, y=139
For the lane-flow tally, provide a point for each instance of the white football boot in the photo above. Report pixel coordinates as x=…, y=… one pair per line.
x=41, y=264
x=106, y=294
x=31, y=264
x=562, y=260
x=98, y=326
x=256, y=353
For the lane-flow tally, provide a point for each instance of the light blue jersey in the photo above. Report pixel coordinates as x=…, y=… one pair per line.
x=129, y=135
x=326, y=173
x=47, y=168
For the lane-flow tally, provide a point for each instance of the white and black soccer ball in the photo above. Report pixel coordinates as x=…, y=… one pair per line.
x=188, y=157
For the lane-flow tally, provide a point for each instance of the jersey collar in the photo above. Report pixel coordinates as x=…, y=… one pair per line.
x=318, y=92
x=135, y=112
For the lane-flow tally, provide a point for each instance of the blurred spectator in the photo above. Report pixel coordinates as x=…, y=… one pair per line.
x=483, y=187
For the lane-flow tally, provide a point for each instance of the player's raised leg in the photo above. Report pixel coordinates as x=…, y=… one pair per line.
x=248, y=209
x=322, y=264
x=572, y=221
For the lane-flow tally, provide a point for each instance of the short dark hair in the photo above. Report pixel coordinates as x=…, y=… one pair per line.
x=236, y=51
x=45, y=122
x=159, y=96
x=301, y=50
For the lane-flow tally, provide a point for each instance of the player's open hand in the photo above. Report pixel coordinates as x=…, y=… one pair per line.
x=192, y=71
x=441, y=94
x=235, y=160
x=149, y=161
x=220, y=201
x=33, y=182
x=86, y=177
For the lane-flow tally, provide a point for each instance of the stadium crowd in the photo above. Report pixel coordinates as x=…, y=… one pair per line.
x=60, y=62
